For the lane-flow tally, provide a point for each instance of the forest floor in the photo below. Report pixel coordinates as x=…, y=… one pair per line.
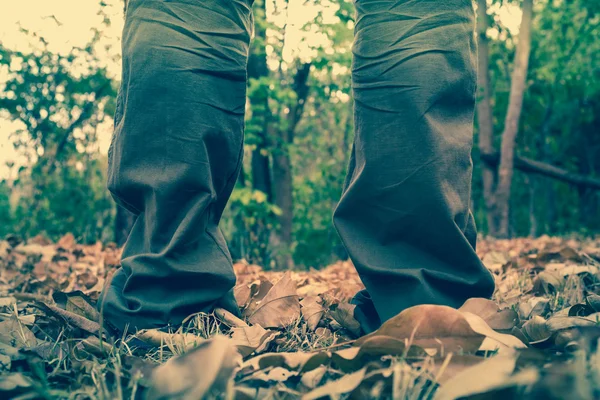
x=538, y=338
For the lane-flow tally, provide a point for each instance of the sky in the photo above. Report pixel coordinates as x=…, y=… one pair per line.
x=72, y=25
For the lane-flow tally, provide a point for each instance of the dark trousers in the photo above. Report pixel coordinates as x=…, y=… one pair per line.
x=177, y=147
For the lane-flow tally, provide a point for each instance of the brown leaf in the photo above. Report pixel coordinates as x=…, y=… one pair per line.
x=488, y=310
x=280, y=307
x=431, y=327
x=71, y=318
x=375, y=347
x=250, y=338
x=297, y=361
x=258, y=291
x=311, y=379
x=67, y=242
x=15, y=334
x=536, y=330
x=343, y=314
x=242, y=295
x=450, y=366
x=494, y=338
x=312, y=311
x=333, y=389
x=78, y=303
x=555, y=324
x=533, y=306
x=204, y=372
x=492, y=374
x=594, y=301
x=548, y=282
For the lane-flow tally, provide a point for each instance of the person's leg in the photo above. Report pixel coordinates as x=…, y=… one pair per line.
x=404, y=215
x=175, y=156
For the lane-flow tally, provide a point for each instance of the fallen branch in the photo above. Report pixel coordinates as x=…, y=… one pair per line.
x=537, y=167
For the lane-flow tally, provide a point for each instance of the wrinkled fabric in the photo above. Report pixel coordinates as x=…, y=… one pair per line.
x=176, y=152
x=404, y=215
x=175, y=156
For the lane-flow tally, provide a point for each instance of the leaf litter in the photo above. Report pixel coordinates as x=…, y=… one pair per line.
x=298, y=339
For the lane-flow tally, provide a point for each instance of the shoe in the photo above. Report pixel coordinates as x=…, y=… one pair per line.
x=365, y=312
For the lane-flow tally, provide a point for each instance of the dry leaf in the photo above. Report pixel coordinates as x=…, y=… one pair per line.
x=343, y=314
x=204, y=372
x=333, y=389
x=432, y=327
x=492, y=374
x=536, y=330
x=15, y=334
x=71, y=318
x=258, y=291
x=490, y=312
x=78, y=303
x=480, y=326
x=67, y=242
x=280, y=307
x=312, y=311
x=249, y=338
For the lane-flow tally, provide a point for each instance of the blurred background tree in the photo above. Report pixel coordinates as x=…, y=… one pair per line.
x=536, y=155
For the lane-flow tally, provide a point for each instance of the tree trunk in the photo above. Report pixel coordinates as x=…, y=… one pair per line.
x=282, y=165
x=257, y=68
x=511, y=123
x=484, y=115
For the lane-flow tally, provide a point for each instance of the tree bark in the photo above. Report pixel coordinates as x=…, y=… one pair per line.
x=484, y=114
x=257, y=69
x=511, y=122
x=282, y=165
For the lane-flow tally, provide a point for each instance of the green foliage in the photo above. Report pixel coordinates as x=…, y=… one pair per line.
x=248, y=222
x=57, y=103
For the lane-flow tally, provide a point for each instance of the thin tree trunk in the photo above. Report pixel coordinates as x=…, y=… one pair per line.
x=511, y=123
x=282, y=165
x=485, y=115
x=257, y=68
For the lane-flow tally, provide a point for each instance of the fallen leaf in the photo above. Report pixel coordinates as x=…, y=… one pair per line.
x=533, y=306
x=492, y=374
x=332, y=389
x=312, y=379
x=490, y=312
x=494, y=260
x=67, y=242
x=548, y=282
x=78, y=303
x=536, y=330
x=478, y=325
x=71, y=318
x=312, y=311
x=250, y=338
x=203, y=372
x=15, y=334
x=343, y=314
x=280, y=307
x=431, y=326
x=555, y=324
x=258, y=291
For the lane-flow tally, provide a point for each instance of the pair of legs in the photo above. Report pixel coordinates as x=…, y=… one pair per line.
x=177, y=147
